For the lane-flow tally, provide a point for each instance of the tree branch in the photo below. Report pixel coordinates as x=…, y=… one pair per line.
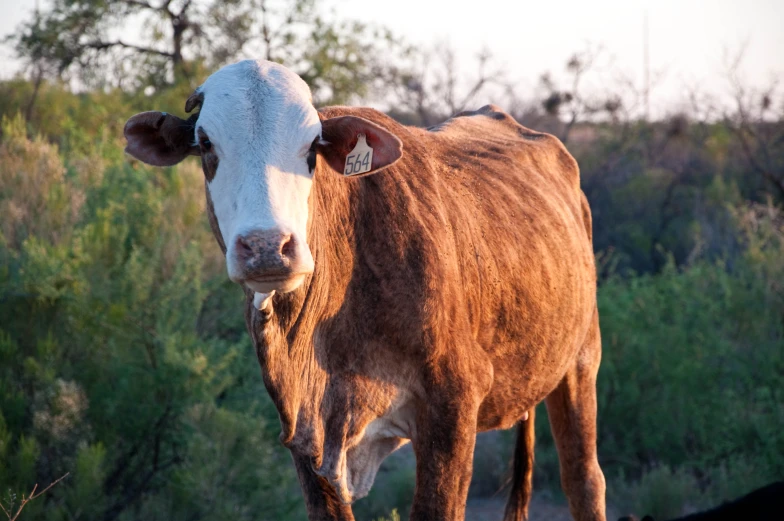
x=766, y=173
x=32, y=496
x=184, y=8
x=105, y=45
x=265, y=30
x=139, y=3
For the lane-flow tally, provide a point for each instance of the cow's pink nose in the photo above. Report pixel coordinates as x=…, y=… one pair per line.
x=267, y=260
x=271, y=246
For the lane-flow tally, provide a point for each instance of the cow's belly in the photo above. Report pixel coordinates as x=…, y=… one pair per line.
x=517, y=387
x=532, y=346
x=529, y=366
x=530, y=293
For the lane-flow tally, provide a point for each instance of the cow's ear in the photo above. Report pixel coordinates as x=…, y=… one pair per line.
x=340, y=135
x=160, y=139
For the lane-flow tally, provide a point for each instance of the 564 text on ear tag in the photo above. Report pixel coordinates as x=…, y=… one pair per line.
x=360, y=160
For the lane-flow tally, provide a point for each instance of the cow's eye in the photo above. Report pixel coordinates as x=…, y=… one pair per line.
x=204, y=141
x=312, y=155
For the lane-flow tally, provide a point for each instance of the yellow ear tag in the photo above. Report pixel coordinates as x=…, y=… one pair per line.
x=360, y=159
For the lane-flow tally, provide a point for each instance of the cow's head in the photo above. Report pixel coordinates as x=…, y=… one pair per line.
x=258, y=136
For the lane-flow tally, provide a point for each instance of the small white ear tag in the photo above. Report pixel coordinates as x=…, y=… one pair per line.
x=360, y=159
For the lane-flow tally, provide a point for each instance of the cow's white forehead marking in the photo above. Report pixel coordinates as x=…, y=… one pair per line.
x=248, y=101
x=260, y=119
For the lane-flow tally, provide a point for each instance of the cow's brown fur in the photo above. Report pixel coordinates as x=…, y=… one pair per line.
x=459, y=284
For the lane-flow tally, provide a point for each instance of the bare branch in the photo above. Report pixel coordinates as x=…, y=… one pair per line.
x=752, y=160
x=748, y=126
x=140, y=3
x=32, y=496
x=483, y=79
x=53, y=483
x=184, y=8
x=105, y=45
x=265, y=30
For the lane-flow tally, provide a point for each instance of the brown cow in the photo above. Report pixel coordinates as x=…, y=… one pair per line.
x=446, y=294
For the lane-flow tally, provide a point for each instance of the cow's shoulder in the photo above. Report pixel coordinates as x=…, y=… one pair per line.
x=377, y=117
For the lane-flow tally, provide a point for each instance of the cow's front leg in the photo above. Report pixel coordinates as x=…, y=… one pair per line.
x=444, y=451
x=320, y=498
x=444, y=443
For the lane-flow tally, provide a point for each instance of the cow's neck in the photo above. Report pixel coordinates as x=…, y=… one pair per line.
x=294, y=362
x=331, y=230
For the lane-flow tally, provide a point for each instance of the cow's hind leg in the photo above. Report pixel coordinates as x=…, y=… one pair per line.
x=571, y=408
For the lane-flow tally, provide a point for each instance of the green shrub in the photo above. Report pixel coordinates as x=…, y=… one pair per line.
x=492, y=464
x=693, y=367
x=393, y=516
x=663, y=493
x=393, y=490
x=104, y=373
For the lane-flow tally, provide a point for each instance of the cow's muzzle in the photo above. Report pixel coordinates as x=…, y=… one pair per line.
x=270, y=260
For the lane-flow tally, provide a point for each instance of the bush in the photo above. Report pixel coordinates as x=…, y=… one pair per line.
x=104, y=373
x=691, y=376
x=492, y=464
x=393, y=490
x=662, y=493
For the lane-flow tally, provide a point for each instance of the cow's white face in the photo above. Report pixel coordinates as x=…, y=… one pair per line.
x=257, y=118
x=258, y=135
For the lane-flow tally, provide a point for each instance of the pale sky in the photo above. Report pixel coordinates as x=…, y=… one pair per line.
x=688, y=39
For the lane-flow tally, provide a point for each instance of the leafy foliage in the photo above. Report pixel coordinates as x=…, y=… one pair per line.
x=692, y=366
x=113, y=368
x=183, y=41
x=690, y=383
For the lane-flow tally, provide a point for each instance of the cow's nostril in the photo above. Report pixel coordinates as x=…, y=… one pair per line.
x=287, y=247
x=244, y=246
